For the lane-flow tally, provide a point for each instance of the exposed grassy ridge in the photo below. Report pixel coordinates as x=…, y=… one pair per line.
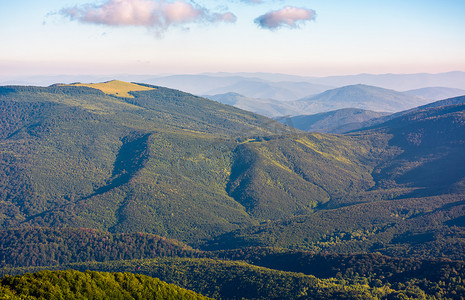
x=116, y=88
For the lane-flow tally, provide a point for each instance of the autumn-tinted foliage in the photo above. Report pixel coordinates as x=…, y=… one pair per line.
x=54, y=246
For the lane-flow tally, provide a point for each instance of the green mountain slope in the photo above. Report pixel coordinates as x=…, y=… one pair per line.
x=433, y=144
x=413, y=208
x=137, y=162
x=383, y=277
x=222, y=279
x=285, y=176
x=168, y=163
x=55, y=246
x=89, y=285
x=158, y=162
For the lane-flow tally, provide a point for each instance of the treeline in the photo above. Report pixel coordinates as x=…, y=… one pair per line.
x=238, y=280
x=72, y=284
x=439, y=277
x=221, y=273
x=54, y=246
x=428, y=227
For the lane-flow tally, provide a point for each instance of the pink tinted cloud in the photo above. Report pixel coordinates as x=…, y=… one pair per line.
x=155, y=14
x=289, y=16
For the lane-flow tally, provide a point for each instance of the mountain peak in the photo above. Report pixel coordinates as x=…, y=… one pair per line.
x=362, y=86
x=361, y=96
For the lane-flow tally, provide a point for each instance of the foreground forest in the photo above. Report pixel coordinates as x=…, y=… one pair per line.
x=89, y=285
x=124, y=177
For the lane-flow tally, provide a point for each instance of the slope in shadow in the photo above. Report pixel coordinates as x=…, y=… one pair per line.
x=130, y=159
x=242, y=176
x=433, y=145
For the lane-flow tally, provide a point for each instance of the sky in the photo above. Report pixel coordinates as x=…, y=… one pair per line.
x=301, y=37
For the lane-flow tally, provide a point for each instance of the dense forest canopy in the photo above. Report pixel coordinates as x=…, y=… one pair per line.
x=126, y=177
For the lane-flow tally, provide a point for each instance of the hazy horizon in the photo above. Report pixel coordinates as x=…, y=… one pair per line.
x=124, y=76
x=318, y=38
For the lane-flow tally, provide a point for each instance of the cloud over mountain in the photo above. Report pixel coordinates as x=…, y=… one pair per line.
x=158, y=15
x=288, y=16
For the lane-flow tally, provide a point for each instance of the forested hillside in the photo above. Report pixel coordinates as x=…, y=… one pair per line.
x=413, y=209
x=56, y=246
x=74, y=156
x=125, y=177
x=89, y=285
x=382, y=277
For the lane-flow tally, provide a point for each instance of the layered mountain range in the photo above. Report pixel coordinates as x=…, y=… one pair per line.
x=355, y=96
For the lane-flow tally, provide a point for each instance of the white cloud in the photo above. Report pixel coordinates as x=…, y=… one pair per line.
x=289, y=16
x=157, y=15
